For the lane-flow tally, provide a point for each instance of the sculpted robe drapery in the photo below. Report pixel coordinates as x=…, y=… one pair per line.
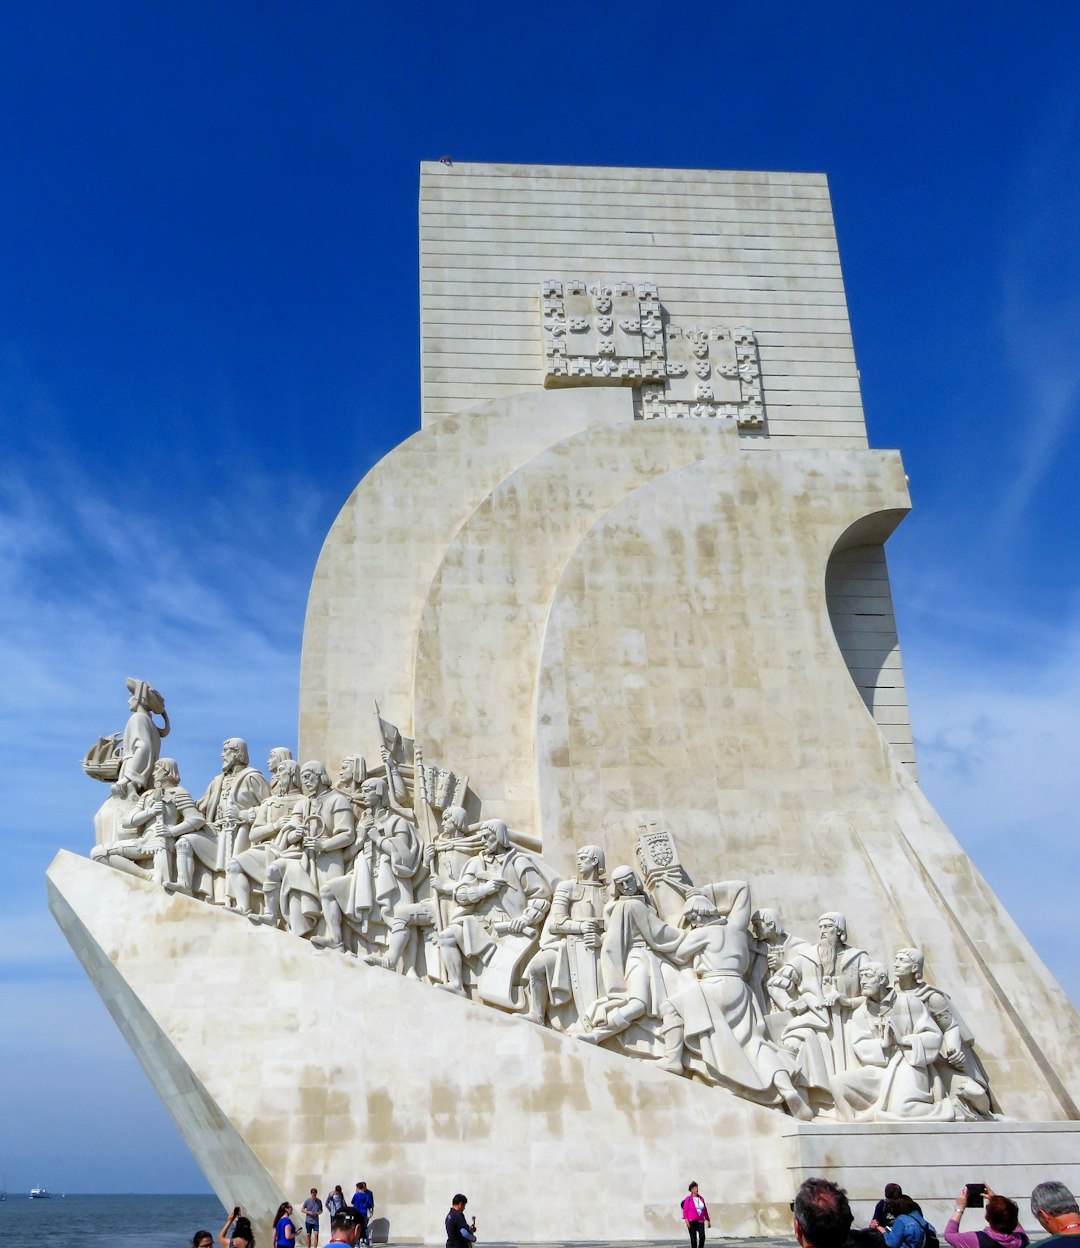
x=634, y=936
x=525, y=890
x=305, y=871
x=893, y=1082
x=570, y=965
x=723, y=1026
x=386, y=881
x=140, y=751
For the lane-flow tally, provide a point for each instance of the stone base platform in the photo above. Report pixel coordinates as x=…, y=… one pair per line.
x=932, y=1161
x=286, y=1067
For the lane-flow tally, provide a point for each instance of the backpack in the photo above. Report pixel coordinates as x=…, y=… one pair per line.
x=930, y=1236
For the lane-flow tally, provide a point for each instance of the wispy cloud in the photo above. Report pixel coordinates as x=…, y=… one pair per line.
x=1041, y=307
x=97, y=585
x=995, y=733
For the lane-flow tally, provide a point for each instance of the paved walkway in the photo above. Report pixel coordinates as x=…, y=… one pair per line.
x=732, y=1242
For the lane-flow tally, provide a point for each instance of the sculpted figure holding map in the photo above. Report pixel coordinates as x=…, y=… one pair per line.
x=501, y=893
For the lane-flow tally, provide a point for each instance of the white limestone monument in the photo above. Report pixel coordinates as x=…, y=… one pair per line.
x=602, y=838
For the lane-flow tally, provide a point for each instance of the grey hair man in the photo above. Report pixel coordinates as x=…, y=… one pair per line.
x=822, y=1215
x=1056, y=1209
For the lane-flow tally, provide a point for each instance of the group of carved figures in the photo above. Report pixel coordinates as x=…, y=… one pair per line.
x=640, y=960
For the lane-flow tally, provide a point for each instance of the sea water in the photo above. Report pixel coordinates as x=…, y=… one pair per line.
x=111, y=1221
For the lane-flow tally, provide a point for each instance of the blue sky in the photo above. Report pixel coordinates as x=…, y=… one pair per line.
x=208, y=333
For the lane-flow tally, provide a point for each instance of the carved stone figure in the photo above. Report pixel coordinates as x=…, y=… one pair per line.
x=311, y=849
x=799, y=1023
x=839, y=966
x=161, y=814
x=959, y=1070
x=895, y=1043
x=142, y=739
x=268, y=838
x=501, y=893
x=447, y=855
x=352, y=773
x=780, y=948
x=228, y=805
x=712, y=1026
x=279, y=754
x=396, y=868
x=384, y=862
x=566, y=967
x=635, y=939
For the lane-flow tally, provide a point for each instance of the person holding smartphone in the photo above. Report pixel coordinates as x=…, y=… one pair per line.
x=459, y=1232
x=237, y=1232
x=1002, y=1220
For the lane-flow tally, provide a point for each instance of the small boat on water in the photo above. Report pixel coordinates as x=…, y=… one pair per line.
x=40, y=1193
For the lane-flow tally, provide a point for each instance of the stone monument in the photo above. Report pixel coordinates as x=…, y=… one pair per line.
x=610, y=859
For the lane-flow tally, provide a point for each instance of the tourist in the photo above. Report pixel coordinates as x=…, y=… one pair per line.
x=284, y=1231
x=1002, y=1224
x=1056, y=1209
x=459, y=1233
x=312, y=1208
x=203, y=1239
x=883, y=1214
x=335, y=1202
x=822, y=1215
x=344, y=1224
x=909, y=1228
x=364, y=1204
x=695, y=1213
x=237, y=1232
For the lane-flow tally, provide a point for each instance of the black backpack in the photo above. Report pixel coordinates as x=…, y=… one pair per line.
x=929, y=1236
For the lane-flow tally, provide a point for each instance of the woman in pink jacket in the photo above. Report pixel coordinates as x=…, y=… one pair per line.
x=695, y=1213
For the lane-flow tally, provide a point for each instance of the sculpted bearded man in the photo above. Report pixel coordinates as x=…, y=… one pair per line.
x=268, y=839
x=839, y=966
x=565, y=967
x=229, y=806
x=895, y=1043
x=313, y=847
x=713, y=1026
